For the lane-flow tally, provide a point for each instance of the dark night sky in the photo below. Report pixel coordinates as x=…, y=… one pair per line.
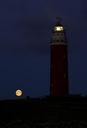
x=25, y=33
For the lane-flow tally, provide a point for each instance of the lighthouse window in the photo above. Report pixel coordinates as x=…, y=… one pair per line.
x=61, y=34
x=62, y=40
x=58, y=34
x=64, y=75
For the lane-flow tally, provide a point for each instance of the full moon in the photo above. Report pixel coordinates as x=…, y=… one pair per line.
x=19, y=92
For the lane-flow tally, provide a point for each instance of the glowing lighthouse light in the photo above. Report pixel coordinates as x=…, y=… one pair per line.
x=58, y=28
x=18, y=92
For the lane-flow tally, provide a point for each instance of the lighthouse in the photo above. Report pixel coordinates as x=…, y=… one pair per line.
x=58, y=61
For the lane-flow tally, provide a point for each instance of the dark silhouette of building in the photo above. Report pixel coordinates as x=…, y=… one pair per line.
x=59, y=61
x=51, y=112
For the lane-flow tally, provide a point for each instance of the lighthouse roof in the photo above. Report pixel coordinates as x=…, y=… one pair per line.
x=58, y=21
x=58, y=24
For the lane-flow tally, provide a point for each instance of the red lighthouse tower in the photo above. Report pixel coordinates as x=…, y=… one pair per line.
x=59, y=61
